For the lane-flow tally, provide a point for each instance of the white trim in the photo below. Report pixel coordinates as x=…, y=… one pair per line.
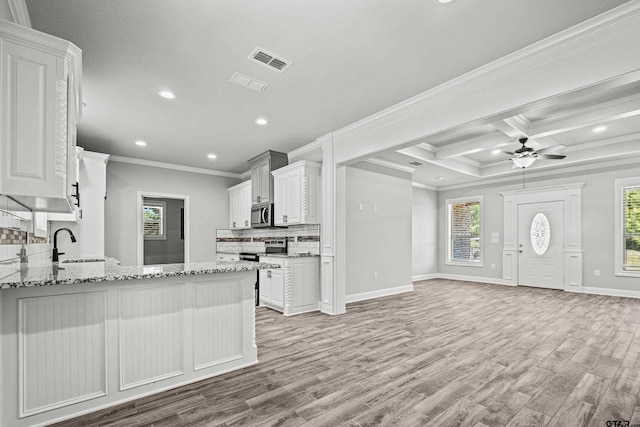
x=543, y=189
x=139, y=220
x=390, y=165
x=312, y=146
x=424, y=186
x=478, y=279
x=546, y=172
x=96, y=156
x=20, y=13
x=419, y=277
x=172, y=166
x=619, y=185
x=379, y=293
x=593, y=25
x=611, y=292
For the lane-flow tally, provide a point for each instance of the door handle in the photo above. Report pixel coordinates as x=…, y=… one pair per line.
x=520, y=251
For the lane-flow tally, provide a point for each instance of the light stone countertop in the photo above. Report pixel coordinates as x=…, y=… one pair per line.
x=64, y=273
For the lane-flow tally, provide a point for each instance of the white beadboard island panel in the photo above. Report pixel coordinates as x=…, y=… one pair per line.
x=150, y=322
x=61, y=350
x=71, y=349
x=217, y=322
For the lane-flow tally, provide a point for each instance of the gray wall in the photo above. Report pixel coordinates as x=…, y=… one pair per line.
x=171, y=249
x=598, y=215
x=209, y=207
x=425, y=232
x=376, y=240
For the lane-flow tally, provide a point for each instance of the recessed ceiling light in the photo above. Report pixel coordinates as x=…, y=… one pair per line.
x=141, y=143
x=439, y=178
x=167, y=94
x=211, y=156
x=261, y=121
x=599, y=129
x=445, y=1
x=496, y=151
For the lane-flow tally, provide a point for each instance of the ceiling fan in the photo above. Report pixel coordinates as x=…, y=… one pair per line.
x=524, y=156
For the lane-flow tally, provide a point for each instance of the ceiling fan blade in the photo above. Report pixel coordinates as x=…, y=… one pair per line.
x=554, y=148
x=551, y=156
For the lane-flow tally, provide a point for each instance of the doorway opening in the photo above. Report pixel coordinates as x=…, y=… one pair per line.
x=163, y=228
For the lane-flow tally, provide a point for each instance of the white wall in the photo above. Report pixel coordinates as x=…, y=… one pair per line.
x=598, y=215
x=208, y=198
x=424, y=232
x=378, y=236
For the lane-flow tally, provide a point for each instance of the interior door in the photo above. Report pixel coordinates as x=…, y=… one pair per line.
x=541, y=244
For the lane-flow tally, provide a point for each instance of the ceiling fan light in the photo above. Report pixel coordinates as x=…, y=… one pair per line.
x=523, y=162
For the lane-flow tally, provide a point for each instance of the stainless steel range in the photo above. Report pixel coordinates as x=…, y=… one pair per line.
x=271, y=247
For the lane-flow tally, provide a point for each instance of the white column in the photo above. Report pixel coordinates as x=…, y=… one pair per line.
x=332, y=294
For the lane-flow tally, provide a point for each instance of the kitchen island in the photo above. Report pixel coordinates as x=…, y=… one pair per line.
x=78, y=337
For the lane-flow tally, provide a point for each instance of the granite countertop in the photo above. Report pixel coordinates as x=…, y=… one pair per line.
x=71, y=272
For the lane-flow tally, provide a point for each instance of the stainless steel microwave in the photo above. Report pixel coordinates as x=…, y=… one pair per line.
x=262, y=215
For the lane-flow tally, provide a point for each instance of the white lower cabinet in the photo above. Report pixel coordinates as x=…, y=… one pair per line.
x=225, y=256
x=294, y=288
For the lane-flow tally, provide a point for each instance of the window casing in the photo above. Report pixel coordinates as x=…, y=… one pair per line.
x=154, y=220
x=464, y=230
x=627, y=235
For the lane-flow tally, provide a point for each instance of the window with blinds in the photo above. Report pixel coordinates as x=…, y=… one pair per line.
x=153, y=214
x=463, y=224
x=631, y=228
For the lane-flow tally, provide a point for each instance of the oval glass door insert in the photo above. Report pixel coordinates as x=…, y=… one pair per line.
x=540, y=233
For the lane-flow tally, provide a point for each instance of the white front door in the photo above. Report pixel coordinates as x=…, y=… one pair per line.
x=541, y=244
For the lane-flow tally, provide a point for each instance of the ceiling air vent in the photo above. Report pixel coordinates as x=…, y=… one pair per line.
x=270, y=60
x=416, y=164
x=250, y=82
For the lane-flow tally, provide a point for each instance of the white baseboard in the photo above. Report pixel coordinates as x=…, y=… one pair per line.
x=462, y=278
x=377, y=294
x=611, y=292
x=419, y=277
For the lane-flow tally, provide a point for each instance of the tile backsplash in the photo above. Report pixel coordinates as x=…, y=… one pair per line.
x=301, y=239
x=16, y=233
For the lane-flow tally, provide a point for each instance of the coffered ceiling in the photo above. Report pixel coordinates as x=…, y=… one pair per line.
x=589, y=126
x=349, y=59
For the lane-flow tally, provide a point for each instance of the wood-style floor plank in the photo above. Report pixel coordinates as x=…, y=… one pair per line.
x=448, y=354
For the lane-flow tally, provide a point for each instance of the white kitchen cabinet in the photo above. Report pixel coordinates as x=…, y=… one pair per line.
x=76, y=213
x=261, y=179
x=297, y=194
x=294, y=288
x=240, y=206
x=225, y=256
x=40, y=105
x=89, y=228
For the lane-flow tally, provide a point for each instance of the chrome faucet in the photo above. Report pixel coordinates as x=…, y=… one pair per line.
x=56, y=254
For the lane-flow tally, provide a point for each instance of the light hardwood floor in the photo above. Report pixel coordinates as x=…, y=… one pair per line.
x=448, y=354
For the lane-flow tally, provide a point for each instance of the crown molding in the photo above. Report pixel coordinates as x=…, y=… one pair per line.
x=305, y=149
x=19, y=12
x=423, y=186
x=625, y=162
x=593, y=25
x=172, y=166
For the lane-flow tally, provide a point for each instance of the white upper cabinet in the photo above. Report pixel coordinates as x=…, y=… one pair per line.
x=240, y=206
x=40, y=105
x=261, y=179
x=297, y=194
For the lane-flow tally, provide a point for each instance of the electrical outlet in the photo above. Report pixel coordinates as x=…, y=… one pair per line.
x=361, y=206
x=375, y=274
x=493, y=266
x=375, y=207
x=596, y=273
